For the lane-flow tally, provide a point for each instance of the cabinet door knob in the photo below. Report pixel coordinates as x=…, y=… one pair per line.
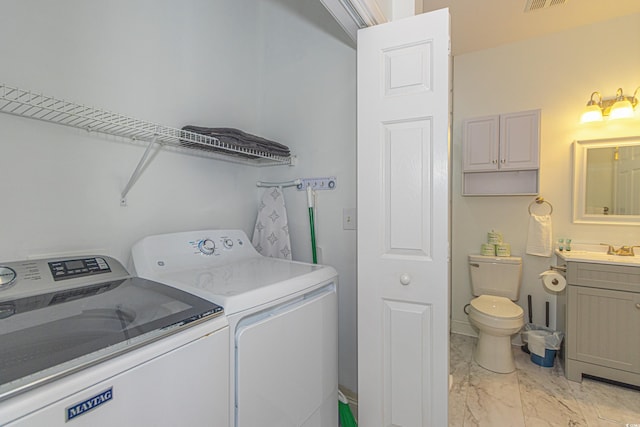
x=405, y=279
x=638, y=306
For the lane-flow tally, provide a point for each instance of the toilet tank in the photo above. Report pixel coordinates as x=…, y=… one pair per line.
x=499, y=276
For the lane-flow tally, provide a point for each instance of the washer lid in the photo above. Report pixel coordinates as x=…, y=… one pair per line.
x=249, y=283
x=50, y=335
x=497, y=306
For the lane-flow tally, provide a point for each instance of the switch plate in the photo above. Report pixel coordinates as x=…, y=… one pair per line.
x=349, y=218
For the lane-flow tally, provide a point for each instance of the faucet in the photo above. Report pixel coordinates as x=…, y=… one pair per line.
x=622, y=251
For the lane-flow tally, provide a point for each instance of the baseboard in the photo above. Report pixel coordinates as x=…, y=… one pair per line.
x=463, y=328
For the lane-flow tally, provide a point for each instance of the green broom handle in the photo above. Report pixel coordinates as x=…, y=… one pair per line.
x=312, y=226
x=313, y=237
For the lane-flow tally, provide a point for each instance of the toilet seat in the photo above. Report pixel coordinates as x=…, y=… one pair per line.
x=497, y=307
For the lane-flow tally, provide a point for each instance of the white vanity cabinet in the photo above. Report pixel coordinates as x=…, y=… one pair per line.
x=501, y=154
x=603, y=322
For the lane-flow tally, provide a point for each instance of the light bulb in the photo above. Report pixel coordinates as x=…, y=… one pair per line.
x=592, y=113
x=622, y=109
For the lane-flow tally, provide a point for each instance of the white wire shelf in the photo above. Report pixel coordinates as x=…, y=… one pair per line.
x=32, y=105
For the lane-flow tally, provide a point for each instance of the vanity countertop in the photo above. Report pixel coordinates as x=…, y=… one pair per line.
x=598, y=257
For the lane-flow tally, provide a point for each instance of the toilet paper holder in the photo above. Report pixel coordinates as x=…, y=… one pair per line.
x=560, y=268
x=554, y=279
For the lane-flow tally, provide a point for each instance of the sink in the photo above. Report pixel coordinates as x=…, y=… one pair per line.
x=596, y=254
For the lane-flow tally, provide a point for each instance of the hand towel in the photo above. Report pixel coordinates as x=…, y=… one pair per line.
x=271, y=233
x=540, y=237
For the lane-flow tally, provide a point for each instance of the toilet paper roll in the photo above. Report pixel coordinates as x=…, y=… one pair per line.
x=503, y=249
x=494, y=237
x=553, y=281
x=488, y=249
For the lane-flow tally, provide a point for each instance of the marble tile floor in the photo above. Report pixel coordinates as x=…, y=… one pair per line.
x=532, y=396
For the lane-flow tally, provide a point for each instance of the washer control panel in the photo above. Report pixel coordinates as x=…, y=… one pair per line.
x=71, y=268
x=32, y=277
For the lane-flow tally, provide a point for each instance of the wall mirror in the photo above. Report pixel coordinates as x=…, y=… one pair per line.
x=606, y=181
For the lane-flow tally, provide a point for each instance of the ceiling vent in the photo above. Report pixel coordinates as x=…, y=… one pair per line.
x=542, y=4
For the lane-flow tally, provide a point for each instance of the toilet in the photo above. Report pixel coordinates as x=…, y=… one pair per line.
x=495, y=282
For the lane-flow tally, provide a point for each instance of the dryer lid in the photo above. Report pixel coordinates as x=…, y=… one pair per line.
x=249, y=283
x=223, y=267
x=497, y=306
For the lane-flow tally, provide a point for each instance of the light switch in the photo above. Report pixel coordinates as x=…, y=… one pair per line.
x=349, y=218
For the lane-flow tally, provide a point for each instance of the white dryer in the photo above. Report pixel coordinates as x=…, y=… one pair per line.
x=282, y=317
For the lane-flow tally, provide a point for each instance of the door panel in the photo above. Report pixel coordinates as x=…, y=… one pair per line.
x=480, y=143
x=608, y=325
x=407, y=69
x=406, y=183
x=407, y=341
x=520, y=140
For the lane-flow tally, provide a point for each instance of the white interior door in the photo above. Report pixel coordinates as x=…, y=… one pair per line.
x=403, y=222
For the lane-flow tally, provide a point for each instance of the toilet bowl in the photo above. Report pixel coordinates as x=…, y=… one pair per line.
x=497, y=319
x=495, y=281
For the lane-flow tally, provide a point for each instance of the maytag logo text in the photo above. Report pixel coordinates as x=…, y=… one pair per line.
x=85, y=406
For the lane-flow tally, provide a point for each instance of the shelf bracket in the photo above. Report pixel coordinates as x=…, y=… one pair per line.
x=137, y=172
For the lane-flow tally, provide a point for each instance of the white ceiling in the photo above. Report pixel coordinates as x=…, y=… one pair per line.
x=482, y=24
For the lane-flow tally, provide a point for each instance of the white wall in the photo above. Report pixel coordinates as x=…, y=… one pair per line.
x=156, y=60
x=309, y=101
x=556, y=73
x=279, y=68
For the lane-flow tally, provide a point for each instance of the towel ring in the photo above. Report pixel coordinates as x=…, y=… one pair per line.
x=539, y=201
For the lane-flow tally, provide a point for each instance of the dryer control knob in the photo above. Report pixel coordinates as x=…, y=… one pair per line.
x=228, y=243
x=207, y=246
x=7, y=276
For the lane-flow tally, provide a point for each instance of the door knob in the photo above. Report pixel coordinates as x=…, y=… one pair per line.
x=405, y=279
x=637, y=305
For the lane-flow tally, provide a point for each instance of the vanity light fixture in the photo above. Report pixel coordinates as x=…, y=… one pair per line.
x=620, y=107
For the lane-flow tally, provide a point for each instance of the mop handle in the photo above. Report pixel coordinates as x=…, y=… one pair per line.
x=311, y=225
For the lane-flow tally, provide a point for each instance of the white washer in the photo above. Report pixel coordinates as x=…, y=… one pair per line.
x=83, y=342
x=282, y=318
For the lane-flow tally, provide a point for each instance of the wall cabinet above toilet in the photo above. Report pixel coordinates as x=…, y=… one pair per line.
x=501, y=154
